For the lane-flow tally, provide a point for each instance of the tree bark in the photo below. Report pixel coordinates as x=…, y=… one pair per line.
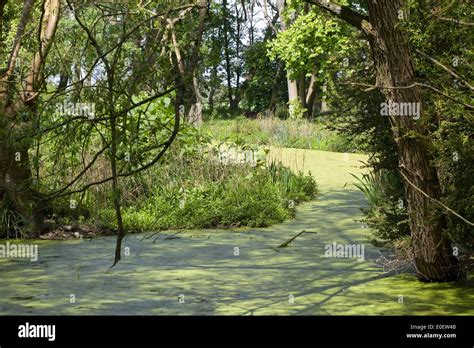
x=212, y=90
x=273, y=100
x=16, y=187
x=16, y=180
x=324, y=105
x=195, y=111
x=433, y=254
x=292, y=88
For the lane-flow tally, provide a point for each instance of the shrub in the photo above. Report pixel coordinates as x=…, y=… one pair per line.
x=198, y=191
x=386, y=212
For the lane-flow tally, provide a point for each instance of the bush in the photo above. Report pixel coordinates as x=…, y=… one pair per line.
x=282, y=112
x=386, y=212
x=197, y=191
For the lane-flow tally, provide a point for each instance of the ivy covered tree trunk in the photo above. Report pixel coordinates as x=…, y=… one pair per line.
x=433, y=254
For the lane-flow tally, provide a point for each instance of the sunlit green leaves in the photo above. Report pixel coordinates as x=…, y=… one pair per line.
x=310, y=43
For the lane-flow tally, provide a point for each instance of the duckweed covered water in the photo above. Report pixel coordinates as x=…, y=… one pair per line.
x=202, y=272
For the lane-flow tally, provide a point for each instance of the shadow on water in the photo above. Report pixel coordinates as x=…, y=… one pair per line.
x=202, y=266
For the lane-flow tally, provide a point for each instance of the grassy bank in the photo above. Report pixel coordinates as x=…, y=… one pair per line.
x=297, y=133
x=199, y=191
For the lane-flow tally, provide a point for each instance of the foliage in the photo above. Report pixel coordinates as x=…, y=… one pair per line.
x=310, y=44
x=240, y=67
x=195, y=190
x=450, y=124
x=386, y=212
x=265, y=81
x=357, y=118
x=297, y=133
x=296, y=110
x=441, y=35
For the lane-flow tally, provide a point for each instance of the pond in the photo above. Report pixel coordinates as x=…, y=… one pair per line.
x=234, y=272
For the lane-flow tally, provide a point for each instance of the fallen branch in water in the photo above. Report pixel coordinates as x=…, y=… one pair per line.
x=289, y=241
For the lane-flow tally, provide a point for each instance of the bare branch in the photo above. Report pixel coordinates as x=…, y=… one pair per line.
x=270, y=21
x=450, y=71
x=165, y=145
x=456, y=21
x=436, y=201
x=372, y=87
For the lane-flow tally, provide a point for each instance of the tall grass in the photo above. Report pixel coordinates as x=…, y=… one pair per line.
x=370, y=186
x=190, y=188
x=386, y=212
x=196, y=190
x=293, y=133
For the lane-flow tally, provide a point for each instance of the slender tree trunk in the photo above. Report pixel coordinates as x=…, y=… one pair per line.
x=212, y=89
x=302, y=91
x=275, y=86
x=226, y=30
x=292, y=85
x=238, y=71
x=195, y=111
x=63, y=81
x=292, y=88
x=16, y=187
x=251, y=30
x=433, y=254
x=311, y=95
x=324, y=105
x=116, y=192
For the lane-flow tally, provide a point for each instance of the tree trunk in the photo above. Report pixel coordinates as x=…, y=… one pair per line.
x=195, y=112
x=292, y=85
x=433, y=254
x=212, y=91
x=302, y=93
x=16, y=180
x=226, y=29
x=275, y=86
x=324, y=105
x=63, y=81
x=238, y=70
x=16, y=187
x=292, y=89
x=311, y=95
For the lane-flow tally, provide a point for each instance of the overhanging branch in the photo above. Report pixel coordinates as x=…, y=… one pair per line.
x=345, y=13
